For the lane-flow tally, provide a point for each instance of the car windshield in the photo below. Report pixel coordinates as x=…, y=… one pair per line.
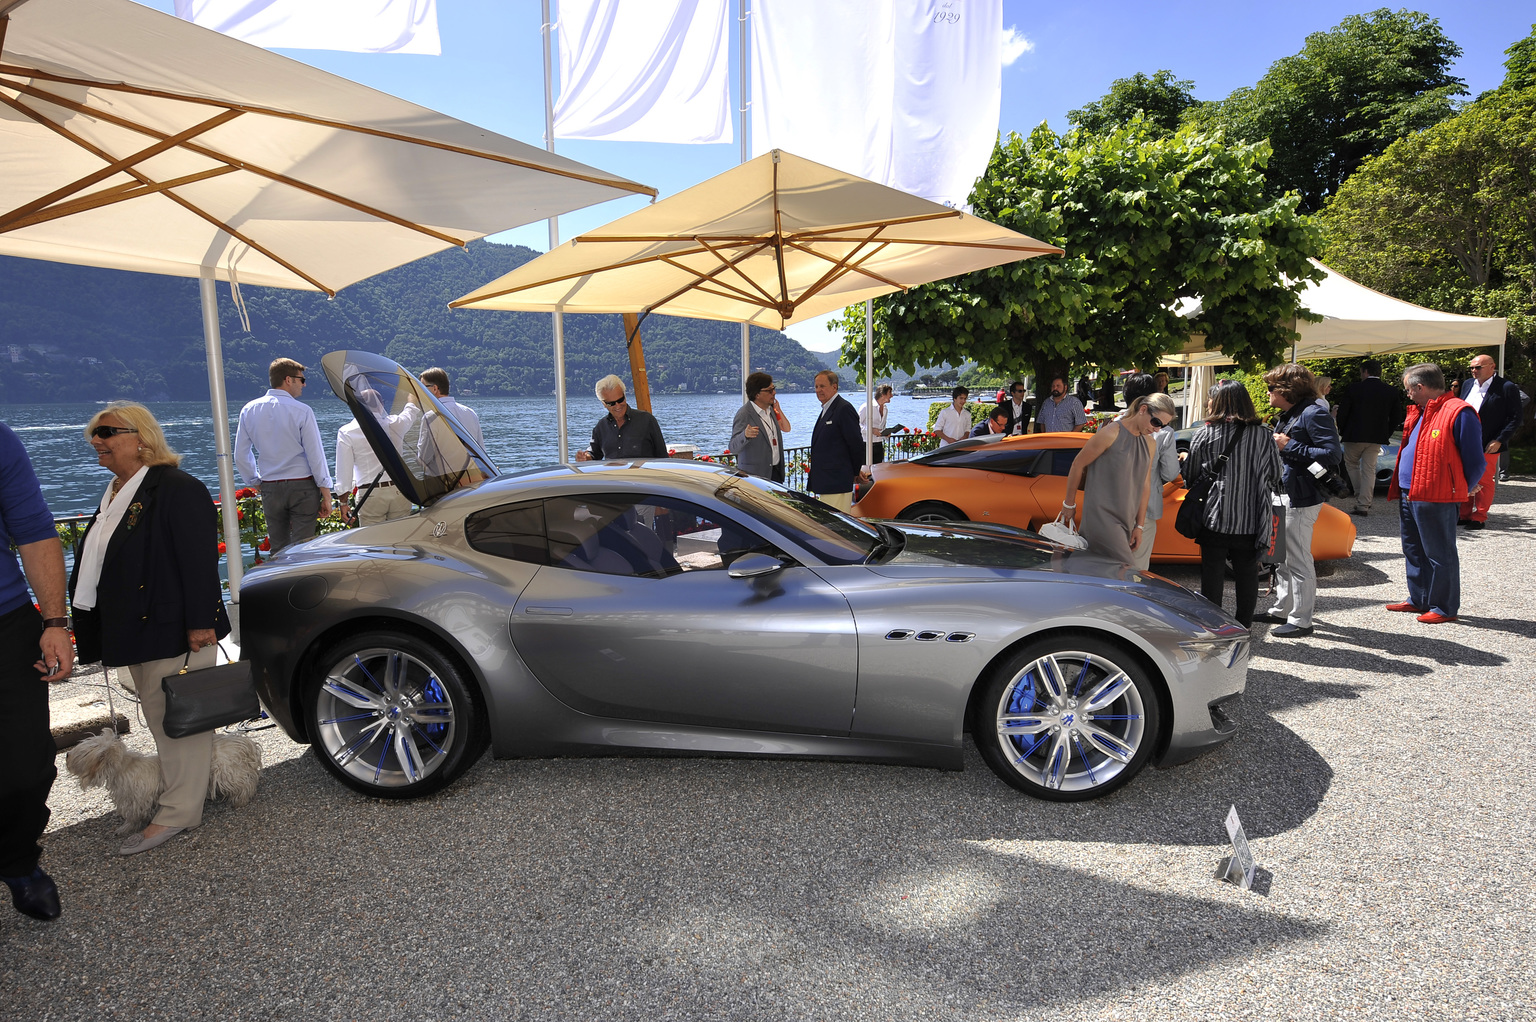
x=834, y=537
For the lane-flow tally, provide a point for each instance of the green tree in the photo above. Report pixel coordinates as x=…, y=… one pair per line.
x=1160, y=100
x=1520, y=68
x=1346, y=96
x=1145, y=221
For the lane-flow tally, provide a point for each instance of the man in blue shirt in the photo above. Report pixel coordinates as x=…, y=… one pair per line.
x=289, y=465
x=1061, y=412
x=34, y=649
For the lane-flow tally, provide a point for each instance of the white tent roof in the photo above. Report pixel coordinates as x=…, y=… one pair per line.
x=1358, y=321
x=134, y=140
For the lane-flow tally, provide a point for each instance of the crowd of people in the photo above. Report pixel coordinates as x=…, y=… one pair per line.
x=146, y=595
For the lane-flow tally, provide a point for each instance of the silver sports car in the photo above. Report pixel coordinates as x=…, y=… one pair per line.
x=681, y=607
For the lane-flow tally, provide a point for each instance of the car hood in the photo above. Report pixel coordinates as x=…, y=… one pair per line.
x=421, y=445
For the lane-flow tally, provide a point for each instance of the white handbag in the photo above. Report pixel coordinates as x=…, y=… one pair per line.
x=1063, y=533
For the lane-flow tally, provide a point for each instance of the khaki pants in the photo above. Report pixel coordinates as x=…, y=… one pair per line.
x=1144, y=552
x=841, y=501
x=185, y=763
x=383, y=504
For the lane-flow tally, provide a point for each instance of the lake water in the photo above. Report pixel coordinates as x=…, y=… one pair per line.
x=519, y=433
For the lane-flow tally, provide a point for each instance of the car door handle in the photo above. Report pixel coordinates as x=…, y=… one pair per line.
x=548, y=611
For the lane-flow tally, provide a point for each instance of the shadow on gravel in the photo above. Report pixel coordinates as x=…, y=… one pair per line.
x=1353, y=572
x=1409, y=641
x=1500, y=624
x=663, y=888
x=1305, y=652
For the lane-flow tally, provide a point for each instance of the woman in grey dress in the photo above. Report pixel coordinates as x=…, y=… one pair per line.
x=1115, y=469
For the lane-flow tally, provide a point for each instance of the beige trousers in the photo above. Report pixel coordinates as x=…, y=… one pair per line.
x=383, y=504
x=1148, y=537
x=185, y=763
x=841, y=501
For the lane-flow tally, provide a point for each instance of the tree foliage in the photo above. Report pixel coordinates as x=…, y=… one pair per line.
x=1345, y=97
x=1160, y=100
x=1145, y=221
x=1520, y=68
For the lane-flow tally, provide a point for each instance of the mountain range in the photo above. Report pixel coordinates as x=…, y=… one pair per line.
x=74, y=333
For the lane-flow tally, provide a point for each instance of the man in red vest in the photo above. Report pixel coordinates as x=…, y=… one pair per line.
x=1442, y=450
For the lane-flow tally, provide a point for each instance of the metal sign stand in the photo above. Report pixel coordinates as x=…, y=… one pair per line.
x=1237, y=868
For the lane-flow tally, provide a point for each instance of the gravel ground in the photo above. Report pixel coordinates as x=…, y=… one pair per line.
x=1385, y=796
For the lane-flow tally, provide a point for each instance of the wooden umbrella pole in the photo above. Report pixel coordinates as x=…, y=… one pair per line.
x=637, y=362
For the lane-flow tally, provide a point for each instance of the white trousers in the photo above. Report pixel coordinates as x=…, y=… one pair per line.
x=1296, y=579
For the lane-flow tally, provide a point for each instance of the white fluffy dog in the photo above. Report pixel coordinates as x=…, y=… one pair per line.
x=133, y=779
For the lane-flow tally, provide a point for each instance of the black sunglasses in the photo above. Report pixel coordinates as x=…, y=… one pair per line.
x=104, y=432
x=299, y=378
x=615, y=401
x=1158, y=423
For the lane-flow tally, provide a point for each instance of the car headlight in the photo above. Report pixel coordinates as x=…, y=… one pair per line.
x=1228, y=651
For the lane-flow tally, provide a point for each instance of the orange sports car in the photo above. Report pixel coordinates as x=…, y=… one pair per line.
x=1022, y=481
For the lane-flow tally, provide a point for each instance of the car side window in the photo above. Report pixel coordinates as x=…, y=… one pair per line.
x=1060, y=460
x=651, y=537
x=515, y=532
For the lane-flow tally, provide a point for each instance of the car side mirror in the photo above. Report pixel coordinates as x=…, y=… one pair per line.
x=754, y=566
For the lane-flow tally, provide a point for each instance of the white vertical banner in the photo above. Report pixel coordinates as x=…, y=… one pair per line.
x=359, y=26
x=652, y=71
x=904, y=92
x=823, y=81
x=948, y=96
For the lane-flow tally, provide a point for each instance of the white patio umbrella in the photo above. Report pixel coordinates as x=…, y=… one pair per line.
x=134, y=140
x=771, y=242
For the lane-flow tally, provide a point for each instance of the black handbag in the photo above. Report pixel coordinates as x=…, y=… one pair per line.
x=1330, y=480
x=1190, y=521
x=208, y=697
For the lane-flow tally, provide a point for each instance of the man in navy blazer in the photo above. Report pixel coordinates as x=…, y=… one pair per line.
x=1499, y=409
x=837, y=446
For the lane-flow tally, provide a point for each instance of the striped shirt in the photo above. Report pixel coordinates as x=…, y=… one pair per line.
x=1239, y=503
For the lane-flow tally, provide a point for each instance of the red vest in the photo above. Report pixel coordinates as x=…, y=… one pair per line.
x=1437, y=477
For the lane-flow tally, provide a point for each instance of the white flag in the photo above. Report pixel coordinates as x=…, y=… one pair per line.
x=361, y=26
x=904, y=92
x=652, y=71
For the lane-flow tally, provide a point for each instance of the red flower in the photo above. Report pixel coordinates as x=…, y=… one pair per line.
x=239, y=514
x=221, y=548
x=243, y=493
x=265, y=544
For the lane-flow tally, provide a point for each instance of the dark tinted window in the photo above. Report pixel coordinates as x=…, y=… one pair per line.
x=1060, y=460
x=1011, y=460
x=515, y=532
x=648, y=536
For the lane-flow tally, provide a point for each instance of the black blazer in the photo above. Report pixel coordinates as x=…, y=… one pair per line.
x=159, y=578
x=1022, y=420
x=1501, y=412
x=1370, y=411
x=837, y=448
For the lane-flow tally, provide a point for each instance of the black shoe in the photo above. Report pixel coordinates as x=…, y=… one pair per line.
x=1474, y=526
x=35, y=895
x=1362, y=512
x=1291, y=632
x=1269, y=619
x=1503, y=477
x=1463, y=523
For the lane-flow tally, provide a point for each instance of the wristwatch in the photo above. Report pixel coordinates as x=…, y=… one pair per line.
x=55, y=622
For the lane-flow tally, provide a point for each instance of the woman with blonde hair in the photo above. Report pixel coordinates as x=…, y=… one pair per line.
x=146, y=596
x=1115, y=469
x=1165, y=468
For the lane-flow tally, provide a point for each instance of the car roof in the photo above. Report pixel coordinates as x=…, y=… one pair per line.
x=700, y=479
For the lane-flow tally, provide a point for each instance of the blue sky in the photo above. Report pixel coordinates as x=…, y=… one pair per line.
x=491, y=73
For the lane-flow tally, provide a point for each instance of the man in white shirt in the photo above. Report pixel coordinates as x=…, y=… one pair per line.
x=289, y=465
x=954, y=422
x=357, y=466
x=436, y=381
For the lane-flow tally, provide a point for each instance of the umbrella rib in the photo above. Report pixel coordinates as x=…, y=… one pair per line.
x=139, y=176
x=110, y=196
x=619, y=185
x=732, y=265
x=42, y=202
x=699, y=279
x=1041, y=249
x=842, y=268
x=238, y=164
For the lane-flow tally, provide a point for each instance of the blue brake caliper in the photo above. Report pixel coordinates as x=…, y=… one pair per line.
x=1020, y=701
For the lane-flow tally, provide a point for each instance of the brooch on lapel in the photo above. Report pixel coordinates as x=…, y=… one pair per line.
x=134, y=510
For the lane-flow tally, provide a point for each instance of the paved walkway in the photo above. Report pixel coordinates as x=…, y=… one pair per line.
x=1383, y=773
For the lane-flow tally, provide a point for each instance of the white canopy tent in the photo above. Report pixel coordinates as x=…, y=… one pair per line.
x=1358, y=321
x=133, y=140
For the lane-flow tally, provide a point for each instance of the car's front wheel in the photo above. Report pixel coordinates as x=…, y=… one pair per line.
x=1068, y=719
x=392, y=716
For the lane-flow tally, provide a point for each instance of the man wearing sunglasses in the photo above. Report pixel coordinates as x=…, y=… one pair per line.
x=624, y=432
x=288, y=463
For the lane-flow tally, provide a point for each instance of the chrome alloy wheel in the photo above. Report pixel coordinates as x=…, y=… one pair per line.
x=384, y=717
x=1071, y=721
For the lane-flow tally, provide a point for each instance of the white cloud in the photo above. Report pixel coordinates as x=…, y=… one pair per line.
x=1015, y=45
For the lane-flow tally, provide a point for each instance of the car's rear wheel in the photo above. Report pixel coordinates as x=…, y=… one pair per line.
x=392, y=716
x=1068, y=719
x=932, y=511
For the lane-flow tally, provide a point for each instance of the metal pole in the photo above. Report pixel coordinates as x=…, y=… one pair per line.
x=741, y=18
x=221, y=444
x=554, y=243
x=869, y=381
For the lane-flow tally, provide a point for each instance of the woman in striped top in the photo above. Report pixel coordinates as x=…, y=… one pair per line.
x=1237, y=512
